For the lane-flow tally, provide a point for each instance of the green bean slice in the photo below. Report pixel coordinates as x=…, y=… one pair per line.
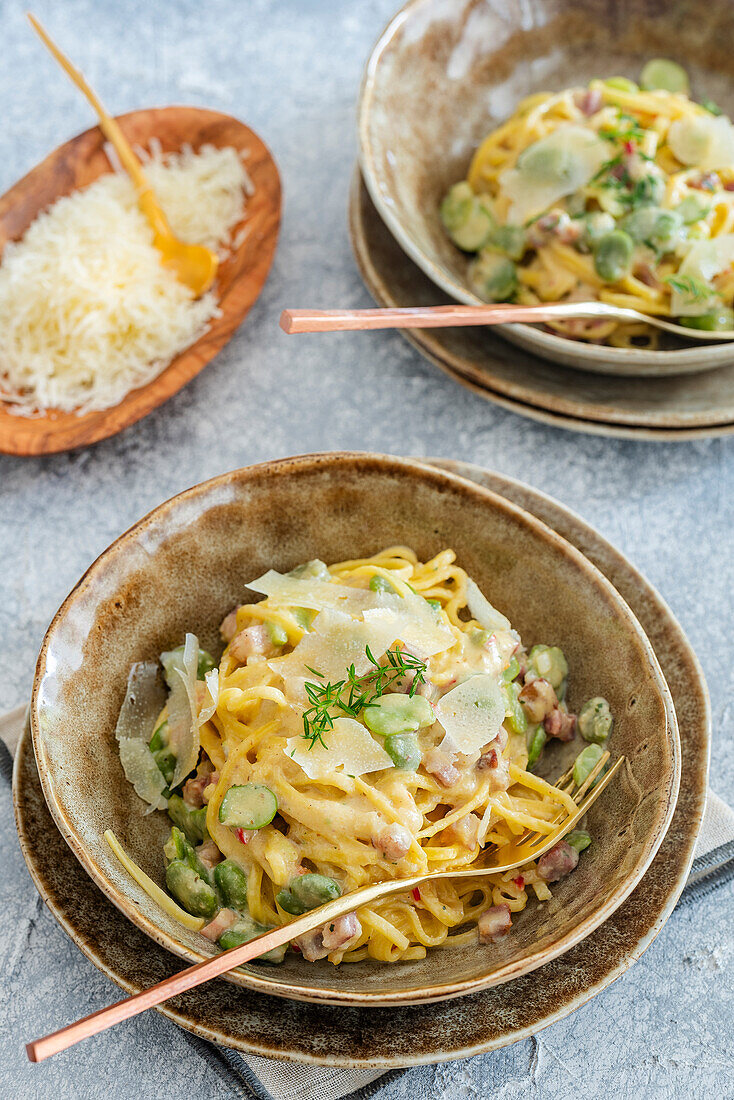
x=248, y=806
x=660, y=74
x=536, y=745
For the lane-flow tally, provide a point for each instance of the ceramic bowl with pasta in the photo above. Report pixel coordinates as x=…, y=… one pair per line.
x=616, y=191
x=210, y=656
x=373, y=719
x=575, y=151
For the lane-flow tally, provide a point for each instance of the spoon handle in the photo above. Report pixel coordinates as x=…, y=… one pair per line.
x=111, y=130
x=334, y=320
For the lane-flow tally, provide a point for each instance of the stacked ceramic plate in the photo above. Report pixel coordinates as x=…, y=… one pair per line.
x=439, y=79
x=182, y=568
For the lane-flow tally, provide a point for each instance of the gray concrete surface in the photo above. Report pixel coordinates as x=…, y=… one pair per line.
x=291, y=70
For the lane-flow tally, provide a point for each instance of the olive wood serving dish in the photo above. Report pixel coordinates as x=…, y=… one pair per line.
x=78, y=163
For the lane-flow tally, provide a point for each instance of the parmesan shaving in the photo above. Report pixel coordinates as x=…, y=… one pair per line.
x=337, y=643
x=183, y=712
x=350, y=746
x=141, y=706
x=471, y=714
x=481, y=609
x=407, y=618
x=87, y=310
x=548, y=170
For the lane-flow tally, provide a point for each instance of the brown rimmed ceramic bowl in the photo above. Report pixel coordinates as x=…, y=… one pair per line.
x=444, y=73
x=323, y=1035
x=185, y=565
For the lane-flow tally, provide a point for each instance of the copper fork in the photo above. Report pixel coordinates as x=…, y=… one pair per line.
x=529, y=846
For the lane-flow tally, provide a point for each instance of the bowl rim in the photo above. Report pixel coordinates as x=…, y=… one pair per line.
x=413, y=995
x=551, y=346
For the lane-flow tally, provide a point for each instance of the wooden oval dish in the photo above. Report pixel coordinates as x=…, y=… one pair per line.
x=78, y=163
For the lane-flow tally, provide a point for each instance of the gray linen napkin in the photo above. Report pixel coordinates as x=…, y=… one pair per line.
x=251, y=1075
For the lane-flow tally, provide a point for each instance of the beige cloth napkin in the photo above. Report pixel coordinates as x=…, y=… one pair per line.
x=267, y=1079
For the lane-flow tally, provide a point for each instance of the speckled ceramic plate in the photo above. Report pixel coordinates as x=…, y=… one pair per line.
x=444, y=73
x=257, y=1024
x=681, y=408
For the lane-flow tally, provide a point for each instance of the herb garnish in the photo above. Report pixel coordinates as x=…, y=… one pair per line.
x=349, y=697
x=632, y=131
x=695, y=290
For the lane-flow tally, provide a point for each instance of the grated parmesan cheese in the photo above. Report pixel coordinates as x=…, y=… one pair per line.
x=87, y=311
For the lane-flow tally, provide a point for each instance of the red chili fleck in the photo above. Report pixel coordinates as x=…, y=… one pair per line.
x=416, y=894
x=519, y=882
x=629, y=146
x=295, y=947
x=242, y=836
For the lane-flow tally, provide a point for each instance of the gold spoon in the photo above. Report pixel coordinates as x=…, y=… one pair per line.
x=527, y=847
x=192, y=264
x=340, y=320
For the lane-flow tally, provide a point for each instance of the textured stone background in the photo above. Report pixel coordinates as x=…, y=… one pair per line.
x=291, y=70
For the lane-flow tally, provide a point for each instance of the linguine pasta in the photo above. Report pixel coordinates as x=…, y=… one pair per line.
x=370, y=720
x=617, y=192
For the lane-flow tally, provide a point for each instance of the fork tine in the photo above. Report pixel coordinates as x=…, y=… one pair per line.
x=533, y=837
x=588, y=801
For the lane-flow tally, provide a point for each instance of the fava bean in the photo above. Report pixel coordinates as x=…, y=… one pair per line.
x=190, y=890
x=278, y=636
x=311, y=890
x=379, y=583
x=398, y=713
x=191, y=822
x=613, y=256
x=536, y=745
x=510, y=240
x=231, y=881
x=245, y=930
x=595, y=720
x=403, y=750
x=585, y=763
x=494, y=276
x=579, y=840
